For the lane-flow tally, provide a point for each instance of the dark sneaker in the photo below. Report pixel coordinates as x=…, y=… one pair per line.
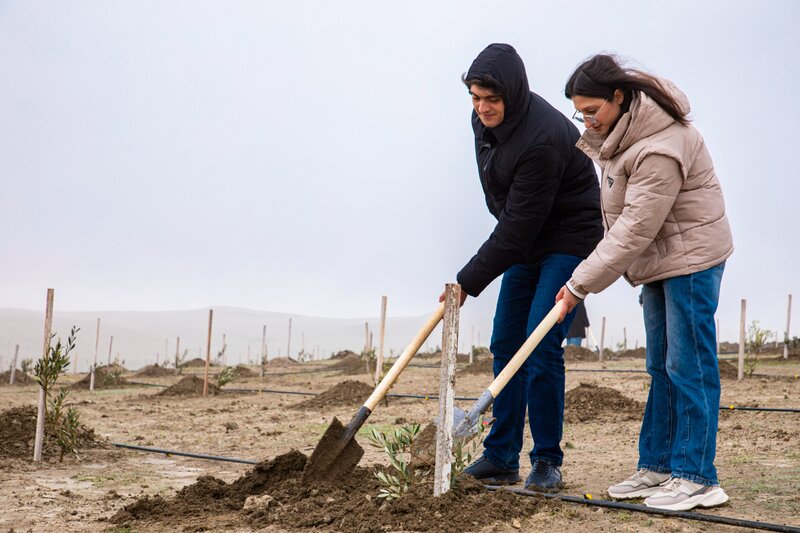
x=487, y=472
x=544, y=477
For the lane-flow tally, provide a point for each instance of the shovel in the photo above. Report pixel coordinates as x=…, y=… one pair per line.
x=465, y=423
x=337, y=452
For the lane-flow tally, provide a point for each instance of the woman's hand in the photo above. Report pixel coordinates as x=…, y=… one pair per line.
x=570, y=301
x=463, y=298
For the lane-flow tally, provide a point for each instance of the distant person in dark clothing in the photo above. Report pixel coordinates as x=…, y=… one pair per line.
x=544, y=193
x=577, y=331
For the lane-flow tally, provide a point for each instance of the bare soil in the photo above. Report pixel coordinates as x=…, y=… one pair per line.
x=18, y=432
x=350, y=365
x=189, y=386
x=245, y=372
x=105, y=377
x=758, y=460
x=20, y=378
x=154, y=371
x=347, y=393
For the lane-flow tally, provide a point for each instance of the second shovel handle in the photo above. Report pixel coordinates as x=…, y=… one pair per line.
x=526, y=349
x=405, y=357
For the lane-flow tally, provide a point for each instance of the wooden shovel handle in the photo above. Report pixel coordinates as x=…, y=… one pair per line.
x=526, y=349
x=402, y=361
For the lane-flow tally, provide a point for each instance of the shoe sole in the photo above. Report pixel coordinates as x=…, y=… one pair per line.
x=710, y=499
x=641, y=493
x=499, y=481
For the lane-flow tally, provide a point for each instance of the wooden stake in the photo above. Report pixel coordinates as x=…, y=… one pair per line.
x=382, y=336
x=602, y=338
x=14, y=365
x=208, y=352
x=263, y=349
x=366, y=336
x=96, y=348
x=742, y=340
x=48, y=325
x=472, y=344
x=177, y=354
x=624, y=338
x=788, y=322
x=110, y=344
x=289, y=342
x=447, y=382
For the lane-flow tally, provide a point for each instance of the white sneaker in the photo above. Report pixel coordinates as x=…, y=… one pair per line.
x=643, y=483
x=681, y=495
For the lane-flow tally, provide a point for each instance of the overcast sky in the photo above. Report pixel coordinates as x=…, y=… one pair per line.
x=309, y=157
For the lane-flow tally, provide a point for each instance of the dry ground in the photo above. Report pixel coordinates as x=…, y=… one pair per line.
x=758, y=452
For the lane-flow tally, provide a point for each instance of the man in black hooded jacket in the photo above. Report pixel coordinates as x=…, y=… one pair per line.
x=544, y=193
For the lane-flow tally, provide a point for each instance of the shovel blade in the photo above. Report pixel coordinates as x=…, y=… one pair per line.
x=335, y=456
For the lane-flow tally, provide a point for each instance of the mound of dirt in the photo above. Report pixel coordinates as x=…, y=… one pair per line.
x=154, y=371
x=20, y=378
x=105, y=377
x=343, y=353
x=727, y=370
x=189, y=386
x=18, y=431
x=578, y=353
x=346, y=393
x=589, y=402
x=196, y=362
x=282, y=361
x=244, y=372
x=479, y=366
x=272, y=494
x=351, y=365
x=637, y=353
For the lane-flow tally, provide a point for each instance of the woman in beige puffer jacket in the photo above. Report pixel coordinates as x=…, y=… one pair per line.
x=666, y=229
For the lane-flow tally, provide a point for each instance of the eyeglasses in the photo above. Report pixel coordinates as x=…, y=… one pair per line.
x=590, y=119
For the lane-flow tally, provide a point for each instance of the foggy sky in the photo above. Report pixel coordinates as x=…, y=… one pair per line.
x=310, y=157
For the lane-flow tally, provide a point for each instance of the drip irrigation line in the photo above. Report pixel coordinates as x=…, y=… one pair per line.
x=184, y=454
x=731, y=407
x=766, y=526
x=620, y=371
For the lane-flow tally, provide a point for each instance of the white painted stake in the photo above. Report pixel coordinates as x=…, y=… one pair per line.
x=602, y=338
x=177, y=355
x=48, y=325
x=788, y=322
x=263, y=349
x=289, y=342
x=110, y=344
x=14, y=365
x=379, y=360
x=742, y=340
x=208, y=352
x=94, y=364
x=447, y=383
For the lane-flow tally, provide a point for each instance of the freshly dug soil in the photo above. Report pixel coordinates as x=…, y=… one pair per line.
x=18, y=431
x=154, y=371
x=279, y=498
x=344, y=353
x=245, y=372
x=589, y=402
x=105, y=377
x=351, y=365
x=196, y=362
x=727, y=370
x=346, y=393
x=282, y=361
x=479, y=366
x=20, y=378
x=578, y=353
x=638, y=353
x=189, y=386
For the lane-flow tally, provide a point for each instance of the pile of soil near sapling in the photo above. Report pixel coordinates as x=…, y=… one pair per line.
x=18, y=432
x=105, y=377
x=727, y=370
x=346, y=393
x=194, y=363
x=20, y=378
x=351, y=365
x=282, y=361
x=343, y=353
x=189, y=386
x=245, y=372
x=272, y=495
x=574, y=354
x=636, y=353
x=154, y=371
x=588, y=402
x=479, y=366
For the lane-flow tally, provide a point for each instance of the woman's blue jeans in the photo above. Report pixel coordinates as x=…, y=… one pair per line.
x=679, y=430
x=527, y=294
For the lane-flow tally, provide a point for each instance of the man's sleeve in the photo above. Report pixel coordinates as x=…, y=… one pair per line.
x=533, y=189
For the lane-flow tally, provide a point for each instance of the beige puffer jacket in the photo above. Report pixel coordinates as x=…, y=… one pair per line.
x=662, y=203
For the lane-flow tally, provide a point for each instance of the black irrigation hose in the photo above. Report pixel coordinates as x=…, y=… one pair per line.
x=766, y=526
x=620, y=371
x=184, y=454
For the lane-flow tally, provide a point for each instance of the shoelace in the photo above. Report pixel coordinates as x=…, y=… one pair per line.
x=673, y=484
x=541, y=467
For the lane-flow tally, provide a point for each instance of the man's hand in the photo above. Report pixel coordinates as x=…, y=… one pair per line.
x=463, y=298
x=570, y=301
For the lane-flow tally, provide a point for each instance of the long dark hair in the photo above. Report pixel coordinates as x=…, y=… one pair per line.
x=601, y=75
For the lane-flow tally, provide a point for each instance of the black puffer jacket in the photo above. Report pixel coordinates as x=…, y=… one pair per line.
x=540, y=187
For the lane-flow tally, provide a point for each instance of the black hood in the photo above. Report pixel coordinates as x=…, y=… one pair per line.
x=501, y=62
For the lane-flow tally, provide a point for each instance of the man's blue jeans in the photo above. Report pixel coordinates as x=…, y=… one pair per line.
x=527, y=294
x=679, y=430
